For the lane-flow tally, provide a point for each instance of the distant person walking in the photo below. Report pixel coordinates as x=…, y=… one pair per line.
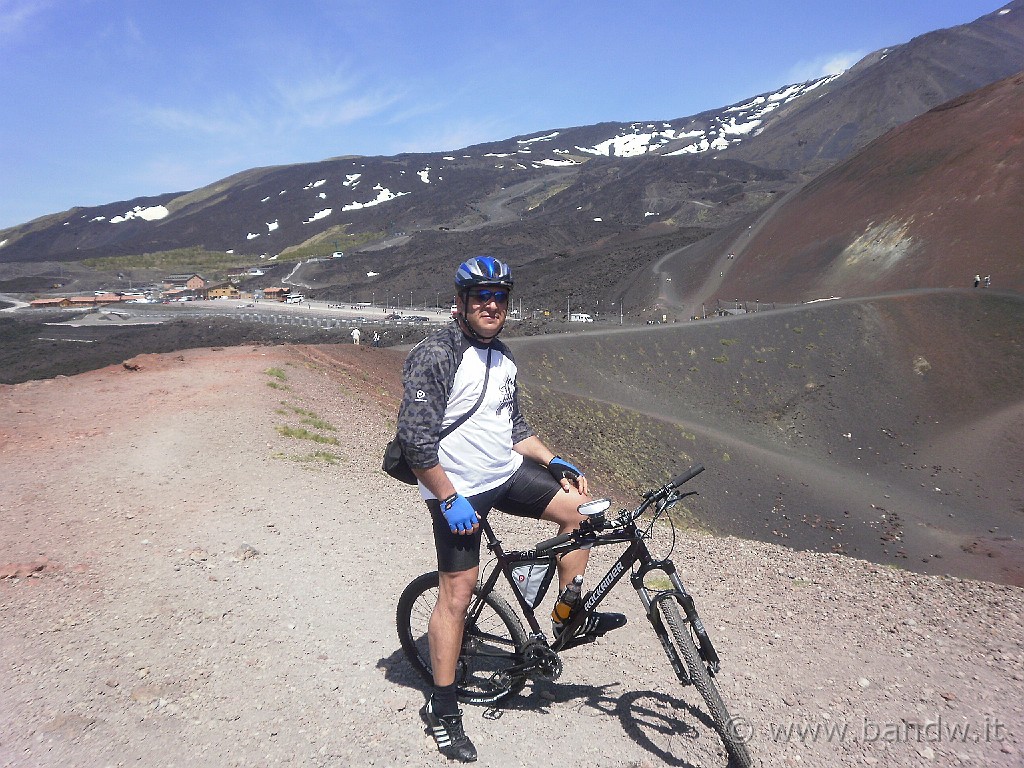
x=988, y=281
x=977, y=280
x=355, y=336
x=376, y=339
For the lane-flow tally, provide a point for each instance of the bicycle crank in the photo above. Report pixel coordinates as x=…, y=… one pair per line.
x=541, y=662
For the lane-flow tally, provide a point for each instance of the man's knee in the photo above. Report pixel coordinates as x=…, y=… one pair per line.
x=456, y=589
x=564, y=509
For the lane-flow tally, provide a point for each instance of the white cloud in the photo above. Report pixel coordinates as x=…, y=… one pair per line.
x=297, y=92
x=171, y=174
x=15, y=15
x=283, y=107
x=436, y=137
x=832, y=64
x=186, y=121
x=318, y=96
x=338, y=113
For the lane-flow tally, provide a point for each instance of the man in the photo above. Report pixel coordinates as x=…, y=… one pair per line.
x=492, y=459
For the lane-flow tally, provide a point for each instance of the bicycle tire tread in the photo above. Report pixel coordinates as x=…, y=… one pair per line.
x=702, y=681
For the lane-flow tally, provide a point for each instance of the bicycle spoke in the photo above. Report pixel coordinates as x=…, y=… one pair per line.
x=486, y=670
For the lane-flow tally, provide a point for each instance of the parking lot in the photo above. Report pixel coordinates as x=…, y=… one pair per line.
x=308, y=313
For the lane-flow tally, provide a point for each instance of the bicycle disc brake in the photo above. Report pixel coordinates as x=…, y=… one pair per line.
x=541, y=662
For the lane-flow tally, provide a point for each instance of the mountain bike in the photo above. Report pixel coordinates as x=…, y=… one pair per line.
x=499, y=656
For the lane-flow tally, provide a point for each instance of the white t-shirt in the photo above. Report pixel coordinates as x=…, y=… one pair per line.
x=443, y=376
x=478, y=456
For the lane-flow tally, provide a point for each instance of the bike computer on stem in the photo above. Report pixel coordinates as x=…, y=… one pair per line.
x=595, y=507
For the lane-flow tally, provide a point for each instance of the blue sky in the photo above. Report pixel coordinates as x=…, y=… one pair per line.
x=106, y=100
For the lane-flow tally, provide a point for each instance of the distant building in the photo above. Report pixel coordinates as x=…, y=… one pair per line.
x=79, y=301
x=191, y=282
x=222, y=291
x=50, y=303
x=274, y=294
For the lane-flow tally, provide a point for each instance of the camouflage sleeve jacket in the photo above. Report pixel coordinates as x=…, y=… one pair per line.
x=443, y=377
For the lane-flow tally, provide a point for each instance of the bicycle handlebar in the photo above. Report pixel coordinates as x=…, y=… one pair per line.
x=688, y=475
x=649, y=498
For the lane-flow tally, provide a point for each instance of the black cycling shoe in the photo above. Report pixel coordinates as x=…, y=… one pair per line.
x=596, y=625
x=451, y=739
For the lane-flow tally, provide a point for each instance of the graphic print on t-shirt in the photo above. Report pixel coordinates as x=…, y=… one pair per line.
x=507, y=391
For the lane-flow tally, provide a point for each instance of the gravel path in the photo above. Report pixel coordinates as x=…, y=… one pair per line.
x=183, y=582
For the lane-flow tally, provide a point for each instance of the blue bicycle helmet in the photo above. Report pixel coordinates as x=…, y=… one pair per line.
x=483, y=270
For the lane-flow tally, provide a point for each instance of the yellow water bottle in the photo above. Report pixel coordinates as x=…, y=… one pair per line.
x=566, y=603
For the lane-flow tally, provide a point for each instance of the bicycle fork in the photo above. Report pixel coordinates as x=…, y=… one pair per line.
x=652, y=599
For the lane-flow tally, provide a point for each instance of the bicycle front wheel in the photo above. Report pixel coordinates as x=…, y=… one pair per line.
x=490, y=644
x=683, y=640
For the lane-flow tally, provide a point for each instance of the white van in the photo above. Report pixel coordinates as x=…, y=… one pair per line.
x=580, y=317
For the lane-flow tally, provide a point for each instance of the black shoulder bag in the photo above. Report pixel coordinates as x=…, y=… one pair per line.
x=394, y=460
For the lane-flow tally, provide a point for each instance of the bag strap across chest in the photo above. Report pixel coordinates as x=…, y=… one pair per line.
x=462, y=419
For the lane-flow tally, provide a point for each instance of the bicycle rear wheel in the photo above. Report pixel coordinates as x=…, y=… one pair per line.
x=683, y=641
x=490, y=644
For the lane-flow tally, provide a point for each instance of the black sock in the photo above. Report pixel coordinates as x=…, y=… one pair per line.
x=445, y=700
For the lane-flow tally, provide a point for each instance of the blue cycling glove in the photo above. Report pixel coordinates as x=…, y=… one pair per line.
x=459, y=513
x=560, y=468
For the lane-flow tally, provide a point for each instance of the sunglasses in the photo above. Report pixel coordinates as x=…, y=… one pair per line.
x=484, y=295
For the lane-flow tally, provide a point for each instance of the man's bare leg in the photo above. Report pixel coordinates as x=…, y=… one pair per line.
x=563, y=510
x=447, y=622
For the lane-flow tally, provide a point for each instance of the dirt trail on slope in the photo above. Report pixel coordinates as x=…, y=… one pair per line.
x=185, y=579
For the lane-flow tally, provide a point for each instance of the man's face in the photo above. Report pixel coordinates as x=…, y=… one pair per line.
x=485, y=308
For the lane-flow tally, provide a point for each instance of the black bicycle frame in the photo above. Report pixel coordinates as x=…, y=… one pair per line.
x=635, y=554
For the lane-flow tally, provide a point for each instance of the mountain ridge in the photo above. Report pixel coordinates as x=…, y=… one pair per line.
x=649, y=183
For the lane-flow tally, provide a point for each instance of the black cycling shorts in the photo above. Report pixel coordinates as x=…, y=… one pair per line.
x=526, y=494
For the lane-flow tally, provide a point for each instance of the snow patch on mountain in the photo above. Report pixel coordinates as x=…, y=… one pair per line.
x=383, y=195
x=545, y=137
x=153, y=213
x=318, y=215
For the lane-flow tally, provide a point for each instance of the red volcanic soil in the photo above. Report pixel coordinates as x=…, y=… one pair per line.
x=930, y=204
x=182, y=575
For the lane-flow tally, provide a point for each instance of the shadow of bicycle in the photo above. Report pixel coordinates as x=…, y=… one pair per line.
x=660, y=724
x=663, y=725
